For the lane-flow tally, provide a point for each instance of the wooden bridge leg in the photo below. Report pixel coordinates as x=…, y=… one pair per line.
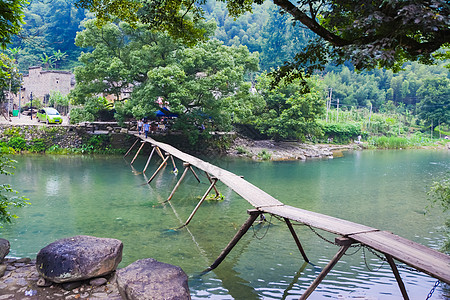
x=193, y=172
x=148, y=160
x=137, y=153
x=200, y=203
x=253, y=215
x=156, y=172
x=326, y=270
x=297, y=241
x=400, y=283
x=186, y=168
x=175, y=170
x=210, y=180
x=131, y=147
x=159, y=152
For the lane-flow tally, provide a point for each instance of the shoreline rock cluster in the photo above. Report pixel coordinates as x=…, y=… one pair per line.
x=84, y=267
x=279, y=151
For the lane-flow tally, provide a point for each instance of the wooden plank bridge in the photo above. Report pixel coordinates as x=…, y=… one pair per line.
x=424, y=259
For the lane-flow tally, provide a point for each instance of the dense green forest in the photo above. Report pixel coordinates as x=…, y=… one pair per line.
x=58, y=35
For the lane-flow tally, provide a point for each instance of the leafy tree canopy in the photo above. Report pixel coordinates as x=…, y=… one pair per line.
x=11, y=19
x=435, y=105
x=203, y=84
x=10, y=78
x=369, y=33
x=290, y=109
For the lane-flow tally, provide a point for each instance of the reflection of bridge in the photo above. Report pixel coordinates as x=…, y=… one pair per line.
x=422, y=258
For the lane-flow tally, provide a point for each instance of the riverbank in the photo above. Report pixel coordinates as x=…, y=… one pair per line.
x=292, y=150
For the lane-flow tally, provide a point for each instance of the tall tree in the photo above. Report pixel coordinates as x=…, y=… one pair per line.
x=434, y=107
x=10, y=78
x=290, y=109
x=202, y=84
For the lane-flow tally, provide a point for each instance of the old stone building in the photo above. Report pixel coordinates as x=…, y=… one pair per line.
x=42, y=82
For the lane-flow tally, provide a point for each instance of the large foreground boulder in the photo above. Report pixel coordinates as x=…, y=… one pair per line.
x=78, y=258
x=4, y=249
x=148, y=278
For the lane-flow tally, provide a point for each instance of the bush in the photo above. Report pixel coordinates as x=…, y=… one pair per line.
x=392, y=142
x=38, y=145
x=341, y=133
x=17, y=143
x=78, y=115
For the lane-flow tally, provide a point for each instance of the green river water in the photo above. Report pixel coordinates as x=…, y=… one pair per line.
x=104, y=196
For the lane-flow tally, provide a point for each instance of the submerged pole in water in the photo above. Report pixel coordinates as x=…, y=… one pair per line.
x=148, y=160
x=186, y=168
x=345, y=244
x=131, y=148
x=200, y=202
x=137, y=153
x=297, y=241
x=254, y=213
x=211, y=181
x=400, y=283
x=157, y=171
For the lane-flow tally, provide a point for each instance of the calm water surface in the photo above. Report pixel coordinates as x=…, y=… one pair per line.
x=105, y=197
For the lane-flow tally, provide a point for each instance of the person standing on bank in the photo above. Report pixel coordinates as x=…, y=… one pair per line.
x=139, y=125
x=146, y=128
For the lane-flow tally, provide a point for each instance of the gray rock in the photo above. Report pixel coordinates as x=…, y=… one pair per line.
x=98, y=281
x=2, y=270
x=4, y=248
x=68, y=286
x=78, y=258
x=148, y=279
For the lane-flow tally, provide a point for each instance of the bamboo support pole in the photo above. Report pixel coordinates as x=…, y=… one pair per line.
x=159, y=168
x=131, y=148
x=254, y=213
x=173, y=163
x=297, y=241
x=148, y=160
x=200, y=203
x=193, y=172
x=210, y=180
x=159, y=152
x=400, y=283
x=137, y=153
x=186, y=168
x=345, y=244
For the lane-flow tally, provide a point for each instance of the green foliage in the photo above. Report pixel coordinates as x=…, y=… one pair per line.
x=11, y=19
x=94, y=108
x=7, y=194
x=439, y=194
x=357, y=31
x=10, y=78
x=203, y=84
x=78, y=115
x=50, y=27
x=38, y=145
x=12, y=131
x=264, y=155
x=341, y=133
x=290, y=109
x=18, y=143
x=435, y=105
x=241, y=150
x=392, y=142
x=57, y=98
